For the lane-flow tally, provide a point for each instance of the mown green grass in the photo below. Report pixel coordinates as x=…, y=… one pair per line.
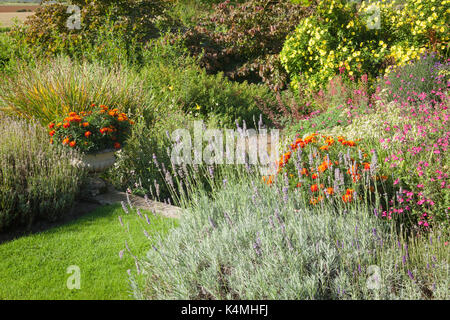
x=35, y=266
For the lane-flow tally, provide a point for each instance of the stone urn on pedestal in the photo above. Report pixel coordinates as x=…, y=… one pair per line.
x=99, y=161
x=97, y=132
x=96, y=163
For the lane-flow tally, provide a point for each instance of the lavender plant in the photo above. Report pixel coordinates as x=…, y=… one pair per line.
x=247, y=240
x=37, y=180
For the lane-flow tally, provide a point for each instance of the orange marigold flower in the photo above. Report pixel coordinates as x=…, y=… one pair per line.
x=330, y=191
x=52, y=133
x=309, y=139
x=66, y=125
x=87, y=134
x=304, y=172
x=366, y=166
x=314, y=188
x=299, y=185
x=51, y=125
x=103, y=130
x=350, y=143
x=287, y=156
x=325, y=147
x=329, y=141
x=72, y=144
x=322, y=167
x=66, y=141
x=347, y=197
x=85, y=124
x=72, y=114
x=314, y=176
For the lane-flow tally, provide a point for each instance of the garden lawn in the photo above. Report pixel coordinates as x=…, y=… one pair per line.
x=35, y=266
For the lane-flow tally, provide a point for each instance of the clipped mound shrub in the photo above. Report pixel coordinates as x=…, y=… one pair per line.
x=37, y=180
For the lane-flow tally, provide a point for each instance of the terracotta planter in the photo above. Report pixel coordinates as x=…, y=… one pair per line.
x=100, y=161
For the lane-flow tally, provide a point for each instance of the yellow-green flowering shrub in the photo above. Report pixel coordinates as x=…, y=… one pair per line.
x=356, y=39
x=417, y=26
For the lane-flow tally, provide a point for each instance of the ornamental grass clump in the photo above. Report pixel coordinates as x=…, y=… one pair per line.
x=99, y=129
x=37, y=180
x=54, y=88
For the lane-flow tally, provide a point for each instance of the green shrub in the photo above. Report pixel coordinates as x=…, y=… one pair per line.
x=135, y=167
x=47, y=32
x=175, y=79
x=13, y=50
x=54, y=88
x=39, y=181
x=243, y=40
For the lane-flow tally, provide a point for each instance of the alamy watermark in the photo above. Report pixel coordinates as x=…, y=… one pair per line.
x=225, y=146
x=74, y=21
x=373, y=17
x=74, y=280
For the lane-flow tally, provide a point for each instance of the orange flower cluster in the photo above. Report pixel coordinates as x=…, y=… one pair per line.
x=115, y=113
x=83, y=126
x=302, y=143
x=325, y=148
x=348, y=196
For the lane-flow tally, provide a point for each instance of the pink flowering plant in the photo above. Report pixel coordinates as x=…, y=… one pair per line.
x=416, y=152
